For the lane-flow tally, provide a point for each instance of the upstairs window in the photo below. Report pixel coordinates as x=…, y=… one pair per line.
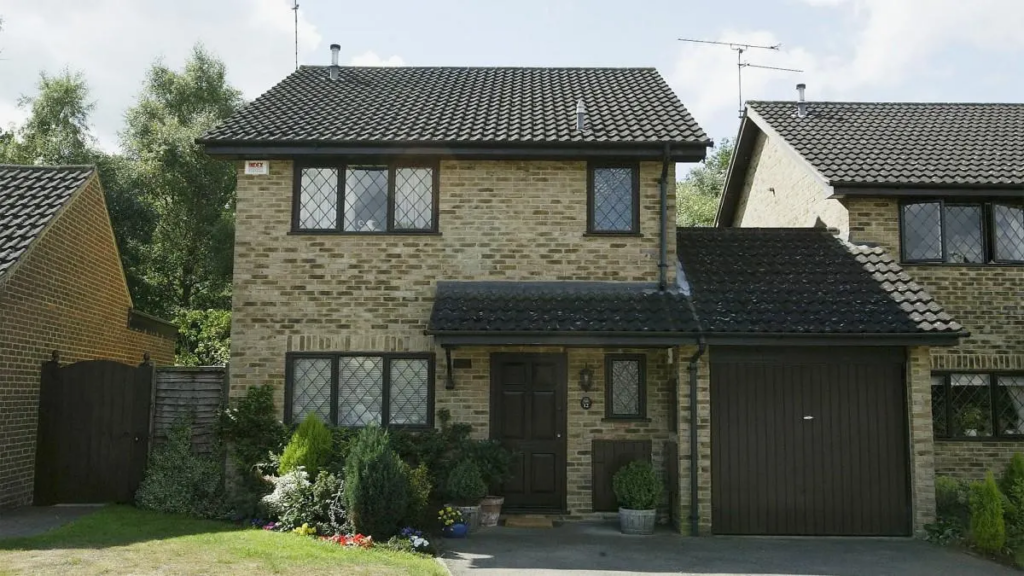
x=360, y=390
x=374, y=198
x=962, y=232
x=613, y=199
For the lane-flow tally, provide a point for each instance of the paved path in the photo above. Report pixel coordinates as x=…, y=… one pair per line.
x=598, y=549
x=32, y=520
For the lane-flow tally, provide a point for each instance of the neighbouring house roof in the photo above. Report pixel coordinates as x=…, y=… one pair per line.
x=905, y=143
x=31, y=196
x=462, y=105
x=540, y=309
x=802, y=281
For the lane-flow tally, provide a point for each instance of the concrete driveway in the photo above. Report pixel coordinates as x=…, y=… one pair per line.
x=598, y=549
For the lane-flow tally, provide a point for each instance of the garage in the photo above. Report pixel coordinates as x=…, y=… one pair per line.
x=809, y=441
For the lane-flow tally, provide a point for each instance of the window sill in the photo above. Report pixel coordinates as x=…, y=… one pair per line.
x=966, y=264
x=613, y=235
x=981, y=439
x=624, y=419
x=367, y=234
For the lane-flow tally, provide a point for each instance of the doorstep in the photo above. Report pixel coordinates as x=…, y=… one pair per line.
x=527, y=521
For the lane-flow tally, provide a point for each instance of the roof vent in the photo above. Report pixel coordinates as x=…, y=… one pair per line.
x=581, y=116
x=801, y=104
x=335, y=48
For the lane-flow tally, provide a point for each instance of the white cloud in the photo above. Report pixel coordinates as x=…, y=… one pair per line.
x=114, y=42
x=370, y=58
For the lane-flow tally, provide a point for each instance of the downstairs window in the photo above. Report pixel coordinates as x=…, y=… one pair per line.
x=977, y=405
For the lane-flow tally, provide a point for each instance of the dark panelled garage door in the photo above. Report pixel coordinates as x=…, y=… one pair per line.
x=809, y=441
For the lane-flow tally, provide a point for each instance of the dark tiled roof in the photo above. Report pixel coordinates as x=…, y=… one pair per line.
x=890, y=143
x=801, y=280
x=29, y=197
x=543, y=307
x=470, y=105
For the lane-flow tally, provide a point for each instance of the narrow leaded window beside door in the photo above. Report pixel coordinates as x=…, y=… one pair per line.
x=311, y=388
x=625, y=394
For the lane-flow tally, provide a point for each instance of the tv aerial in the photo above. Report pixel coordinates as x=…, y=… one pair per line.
x=740, y=48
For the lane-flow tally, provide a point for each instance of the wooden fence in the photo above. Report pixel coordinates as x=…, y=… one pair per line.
x=180, y=390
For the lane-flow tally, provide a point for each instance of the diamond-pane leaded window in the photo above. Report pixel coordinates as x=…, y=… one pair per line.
x=625, y=395
x=922, y=231
x=311, y=388
x=414, y=198
x=1010, y=405
x=360, y=390
x=366, y=199
x=963, y=234
x=939, y=404
x=409, y=387
x=1008, y=222
x=970, y=398
x=613, y=205
x=318, y=199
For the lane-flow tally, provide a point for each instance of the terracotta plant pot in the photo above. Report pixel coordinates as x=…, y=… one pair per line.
x=455, y=531
x=637, y=521
x=490, y=510
x=470, y=515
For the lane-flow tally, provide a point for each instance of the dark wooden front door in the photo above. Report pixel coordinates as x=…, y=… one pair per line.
x=93, y=437
x=809, y=442
x=528, y=395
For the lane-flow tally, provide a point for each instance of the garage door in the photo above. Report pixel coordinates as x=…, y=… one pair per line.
x=809, y=442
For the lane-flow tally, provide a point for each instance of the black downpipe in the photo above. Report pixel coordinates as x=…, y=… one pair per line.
x=663, y=247
x=694, y=453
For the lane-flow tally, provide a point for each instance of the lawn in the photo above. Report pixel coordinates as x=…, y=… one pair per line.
x=125, y=540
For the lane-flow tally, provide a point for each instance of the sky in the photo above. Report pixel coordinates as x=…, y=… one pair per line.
x=891, y=50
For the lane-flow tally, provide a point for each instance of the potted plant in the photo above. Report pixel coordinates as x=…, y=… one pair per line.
x=638, y=491
x=464, y=489
x=494, y=462
x=452, y=525
x=972, y=419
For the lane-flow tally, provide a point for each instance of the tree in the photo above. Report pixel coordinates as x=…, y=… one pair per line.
x=191, y=193
x=57, y=130
x=698, y=194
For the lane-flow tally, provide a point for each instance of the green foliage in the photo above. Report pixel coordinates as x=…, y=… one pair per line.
x=637, y=486
x=252, y=429
x=419, y=494
x=179, y=481
x=376, y=487
x=952, y=500
x=465, y=486
x=1013, y=473
x=944, y=531
x=697, y=195
x=57, y=128
x=320, y=504
x=1013, y=513
x=494, y=461
x=310, y=447
x=988, y=530
x=204, y=337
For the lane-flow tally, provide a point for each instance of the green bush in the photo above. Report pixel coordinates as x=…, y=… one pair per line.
x=419, y=494
x=295, y=501
x=637, y=486
x=494, y=461
x=252, y=430
x=465, y=486
x=952, y=500
x=1013, y=473
x=310, y=447
x=376, y=487
x=988, y=531
x=179, y=481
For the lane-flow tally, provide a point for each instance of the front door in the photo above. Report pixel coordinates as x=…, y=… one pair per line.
x=528, y=396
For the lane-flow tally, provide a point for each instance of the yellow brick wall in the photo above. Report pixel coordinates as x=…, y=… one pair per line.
x=781, y=191
x=66, y=294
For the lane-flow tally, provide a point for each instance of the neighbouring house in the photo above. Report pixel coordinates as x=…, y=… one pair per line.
x=496, y=241
x=62, y=289
x=940, y=186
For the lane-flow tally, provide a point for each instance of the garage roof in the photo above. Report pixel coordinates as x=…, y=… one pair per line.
x=802, y=281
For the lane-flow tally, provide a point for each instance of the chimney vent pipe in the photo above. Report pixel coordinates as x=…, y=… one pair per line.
x=581, y=116
x=335, y=49
x=801, y=103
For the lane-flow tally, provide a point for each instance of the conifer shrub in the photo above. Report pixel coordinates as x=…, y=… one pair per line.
x=988, y=530
x=311, y=448
x=376, y=485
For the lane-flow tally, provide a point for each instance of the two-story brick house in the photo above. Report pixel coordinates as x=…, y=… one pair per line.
x=496, y=241
x=941, y=187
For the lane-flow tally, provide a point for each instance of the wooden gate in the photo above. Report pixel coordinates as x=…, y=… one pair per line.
x=93, y=434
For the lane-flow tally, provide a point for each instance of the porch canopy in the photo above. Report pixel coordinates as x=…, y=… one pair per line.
x=562, y=313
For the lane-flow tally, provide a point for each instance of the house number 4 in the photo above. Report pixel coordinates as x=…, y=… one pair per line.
x=585, y=402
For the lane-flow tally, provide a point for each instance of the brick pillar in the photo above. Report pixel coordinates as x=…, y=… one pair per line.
x=922, y=450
